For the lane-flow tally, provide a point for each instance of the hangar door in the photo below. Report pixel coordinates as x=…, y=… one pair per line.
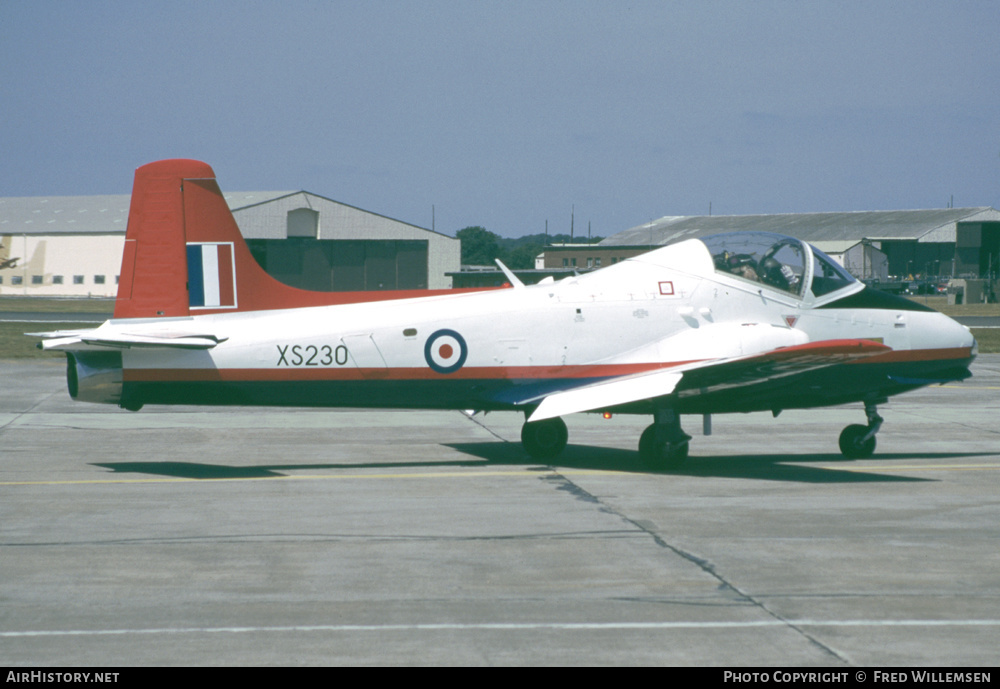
x=978, y=249
x=343, y=265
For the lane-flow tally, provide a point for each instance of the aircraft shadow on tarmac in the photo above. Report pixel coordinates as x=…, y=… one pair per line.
x=772, y=467
x=761, y=467
x=196, y=470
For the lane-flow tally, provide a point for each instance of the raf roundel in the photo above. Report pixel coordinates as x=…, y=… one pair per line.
x=445, y=351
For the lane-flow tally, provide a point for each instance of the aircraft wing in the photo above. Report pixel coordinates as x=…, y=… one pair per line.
x=705, y=376
x=96, y=339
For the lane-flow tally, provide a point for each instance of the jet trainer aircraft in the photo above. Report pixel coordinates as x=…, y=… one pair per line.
x=727, y=323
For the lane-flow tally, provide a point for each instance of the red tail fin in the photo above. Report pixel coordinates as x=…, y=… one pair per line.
x=184, y=254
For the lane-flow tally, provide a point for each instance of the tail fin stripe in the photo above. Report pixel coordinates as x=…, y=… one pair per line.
x=227, y=277
x=210, y=275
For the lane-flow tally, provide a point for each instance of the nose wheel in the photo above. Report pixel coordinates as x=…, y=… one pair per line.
x=857, y=441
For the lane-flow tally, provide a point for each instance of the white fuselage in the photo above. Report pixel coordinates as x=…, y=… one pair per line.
x=663, y=309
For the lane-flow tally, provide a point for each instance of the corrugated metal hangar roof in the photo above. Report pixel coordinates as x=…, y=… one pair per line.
x=109, y=214
x=919, y=225
x=63, y=214
x=90, y=214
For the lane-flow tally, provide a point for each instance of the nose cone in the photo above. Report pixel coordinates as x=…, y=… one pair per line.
x=942, y=345
x=947, y=333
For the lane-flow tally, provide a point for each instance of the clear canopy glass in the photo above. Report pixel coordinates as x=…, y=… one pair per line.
x=776, y=261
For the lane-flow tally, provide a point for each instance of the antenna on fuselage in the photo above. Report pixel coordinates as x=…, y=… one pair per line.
x=513, y=279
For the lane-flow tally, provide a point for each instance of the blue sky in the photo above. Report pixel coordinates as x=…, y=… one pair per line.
x=508, y=114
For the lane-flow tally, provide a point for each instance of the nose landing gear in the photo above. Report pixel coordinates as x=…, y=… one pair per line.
x=857, y=441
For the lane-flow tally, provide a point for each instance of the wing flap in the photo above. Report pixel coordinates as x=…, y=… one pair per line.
x=710, y=375
x=607, y=394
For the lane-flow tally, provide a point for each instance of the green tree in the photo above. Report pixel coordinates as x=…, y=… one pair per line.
x=479, y=246
x=522, y=256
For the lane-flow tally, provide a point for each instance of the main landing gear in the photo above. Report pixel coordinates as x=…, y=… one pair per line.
x=544, y=439
x=663, y=445
x=857, y=441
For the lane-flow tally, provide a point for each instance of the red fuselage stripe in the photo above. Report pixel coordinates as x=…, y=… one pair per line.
x=351, y=373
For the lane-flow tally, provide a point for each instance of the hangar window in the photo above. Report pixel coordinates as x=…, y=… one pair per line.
x=303, y=222
x=77, y=279
x=37, y=279
x=57, y=279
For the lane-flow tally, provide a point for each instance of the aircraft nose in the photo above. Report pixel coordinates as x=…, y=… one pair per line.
x=962, y=333
x=948, y=333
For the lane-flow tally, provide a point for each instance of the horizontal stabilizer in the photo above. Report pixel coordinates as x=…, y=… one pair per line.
x=102, y=338
x=58, y=339
x=168, y=340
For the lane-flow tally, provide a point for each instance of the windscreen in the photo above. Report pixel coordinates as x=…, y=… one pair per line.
x=828, y=276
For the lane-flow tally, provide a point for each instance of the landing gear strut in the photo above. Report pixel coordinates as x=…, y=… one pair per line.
x=544, y=439
x=663, y=445
x=857, y=441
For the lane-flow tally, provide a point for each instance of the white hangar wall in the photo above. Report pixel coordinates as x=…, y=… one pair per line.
x=61, y=265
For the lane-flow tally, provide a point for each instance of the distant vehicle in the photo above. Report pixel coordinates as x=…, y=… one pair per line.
x=727, y=323
x=927, y=286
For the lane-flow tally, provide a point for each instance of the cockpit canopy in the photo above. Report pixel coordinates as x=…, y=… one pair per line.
x=779, y=262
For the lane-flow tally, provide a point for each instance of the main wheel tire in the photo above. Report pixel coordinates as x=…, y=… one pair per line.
x=544, y=439
x=851, y=444
x=663, y=455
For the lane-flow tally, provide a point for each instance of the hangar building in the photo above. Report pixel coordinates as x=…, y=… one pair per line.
x=952, y=242
x=72, y=245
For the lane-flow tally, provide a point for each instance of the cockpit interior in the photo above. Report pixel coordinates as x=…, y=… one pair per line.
x=778, y=262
